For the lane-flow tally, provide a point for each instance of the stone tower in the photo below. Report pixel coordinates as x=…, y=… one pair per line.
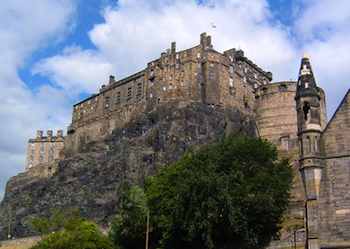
x=309, y=113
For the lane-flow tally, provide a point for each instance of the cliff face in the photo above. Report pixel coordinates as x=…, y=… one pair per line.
x=90, y=180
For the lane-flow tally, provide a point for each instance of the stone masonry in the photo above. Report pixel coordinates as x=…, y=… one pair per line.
x=44, y=149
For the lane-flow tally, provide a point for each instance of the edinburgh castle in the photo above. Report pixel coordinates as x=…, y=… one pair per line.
x=133, y=126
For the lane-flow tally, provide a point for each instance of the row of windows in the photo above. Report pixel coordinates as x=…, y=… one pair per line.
x=129, y=95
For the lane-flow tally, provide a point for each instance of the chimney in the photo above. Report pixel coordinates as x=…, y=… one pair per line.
x=111, y=79
x=49, y=133
x=60, y=133
x=173, y=47
x=204, y=40
x=39, y=134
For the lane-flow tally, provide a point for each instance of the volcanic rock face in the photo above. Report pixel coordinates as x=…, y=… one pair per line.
x=91, y=179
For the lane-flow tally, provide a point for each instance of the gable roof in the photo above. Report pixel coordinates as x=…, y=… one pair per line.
x=336, y=111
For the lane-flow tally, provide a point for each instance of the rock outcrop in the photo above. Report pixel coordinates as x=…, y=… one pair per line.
x=90, y=180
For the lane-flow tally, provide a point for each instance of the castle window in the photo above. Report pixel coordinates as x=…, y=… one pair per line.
x=306, y=110
x=284, y=142
x=232, y=91
x=107, y=103
x=231, y=82
x=129, y=96
x=139, y=91
x=231, y=69
x=317, y=143
x=308, y=145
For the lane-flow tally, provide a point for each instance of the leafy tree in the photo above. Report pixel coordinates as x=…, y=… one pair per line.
x=129, y=226
x=77, y=234
x=231, y=194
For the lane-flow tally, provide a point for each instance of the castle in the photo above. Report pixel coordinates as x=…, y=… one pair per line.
x=291, y=114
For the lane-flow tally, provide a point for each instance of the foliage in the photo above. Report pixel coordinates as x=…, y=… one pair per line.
x=58, y=220
x=79, y=234
x=129, y=226
x=231, y=194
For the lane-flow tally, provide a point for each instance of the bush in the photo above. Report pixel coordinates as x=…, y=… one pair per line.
x=77, y=234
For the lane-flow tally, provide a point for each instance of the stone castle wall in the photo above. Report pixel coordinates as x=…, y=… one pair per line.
x=44, y=149
x=198, y=74
x=334, y=217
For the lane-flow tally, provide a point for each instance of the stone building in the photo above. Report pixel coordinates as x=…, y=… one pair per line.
x=324, y=164
x=44, y=149
x=198, y=74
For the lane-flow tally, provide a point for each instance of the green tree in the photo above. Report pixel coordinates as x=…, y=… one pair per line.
x=79, y=234
x=231, y=194
x=128, y=228
x=58, y=220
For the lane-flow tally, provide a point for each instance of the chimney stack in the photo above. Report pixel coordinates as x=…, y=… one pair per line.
x=49, y=133
x=39, y=134
x=111, y=79
x=60, y=133
x=173, y=47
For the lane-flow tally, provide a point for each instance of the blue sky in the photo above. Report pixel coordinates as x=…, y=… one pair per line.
x=56, y=52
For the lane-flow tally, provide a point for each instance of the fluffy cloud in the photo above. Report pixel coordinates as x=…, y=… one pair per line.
x=324, y=32
x=24, y=27
x=76, y=70
x=137, y=31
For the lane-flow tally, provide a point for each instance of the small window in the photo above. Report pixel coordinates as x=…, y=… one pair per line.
x=306, y=110
x=231, y=82
x=129, y=96
x=285, y=142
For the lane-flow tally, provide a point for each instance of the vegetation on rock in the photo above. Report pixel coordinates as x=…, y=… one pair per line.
x=71, y=232
x=231, y=194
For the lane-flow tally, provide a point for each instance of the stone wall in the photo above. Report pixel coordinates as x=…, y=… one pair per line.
x=335, y=188
x=276, y=119
x=44, y=149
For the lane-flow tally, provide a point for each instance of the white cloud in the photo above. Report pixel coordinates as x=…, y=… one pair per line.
x=25, y=26
x=137, y=31
x=76, y=70
x=324, y=32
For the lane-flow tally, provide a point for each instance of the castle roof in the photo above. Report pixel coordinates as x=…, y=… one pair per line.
x=346, y=97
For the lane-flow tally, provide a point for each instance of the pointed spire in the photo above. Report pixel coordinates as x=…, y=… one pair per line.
x=306, y=80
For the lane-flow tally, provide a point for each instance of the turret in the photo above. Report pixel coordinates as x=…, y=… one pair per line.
x=309, y=132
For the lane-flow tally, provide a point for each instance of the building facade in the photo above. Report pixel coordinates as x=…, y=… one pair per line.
x=44, y=149
x=324, y=163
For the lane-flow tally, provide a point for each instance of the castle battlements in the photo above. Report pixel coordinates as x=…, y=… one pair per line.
x=44, y=149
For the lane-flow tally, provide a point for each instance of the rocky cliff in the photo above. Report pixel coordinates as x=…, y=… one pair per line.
x=90, y=180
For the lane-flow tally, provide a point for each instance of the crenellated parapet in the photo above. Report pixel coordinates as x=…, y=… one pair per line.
x=44, y=149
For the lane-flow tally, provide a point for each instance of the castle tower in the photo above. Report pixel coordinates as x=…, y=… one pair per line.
x=309, y=112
